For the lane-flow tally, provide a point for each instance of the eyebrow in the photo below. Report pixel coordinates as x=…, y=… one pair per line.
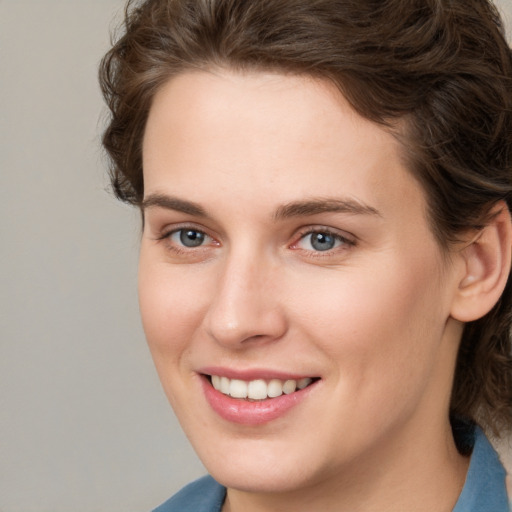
x=294, y=209
x=321, y=205
x=173, y=203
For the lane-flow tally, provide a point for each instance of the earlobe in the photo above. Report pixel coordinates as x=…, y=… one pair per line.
x=486, y=262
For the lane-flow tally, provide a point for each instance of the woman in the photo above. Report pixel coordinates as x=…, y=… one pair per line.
x=325, y=189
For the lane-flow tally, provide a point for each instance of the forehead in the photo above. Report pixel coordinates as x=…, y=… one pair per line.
x=279, y=136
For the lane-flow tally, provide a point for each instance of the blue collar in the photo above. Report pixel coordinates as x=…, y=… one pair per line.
x=484, y=489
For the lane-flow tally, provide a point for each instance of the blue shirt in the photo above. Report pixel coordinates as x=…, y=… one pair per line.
x=484, y=490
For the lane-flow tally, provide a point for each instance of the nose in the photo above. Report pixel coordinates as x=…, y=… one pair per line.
x=246, y=308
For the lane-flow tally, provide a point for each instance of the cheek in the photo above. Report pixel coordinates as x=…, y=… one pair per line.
x=170, y=309
x=379, y=327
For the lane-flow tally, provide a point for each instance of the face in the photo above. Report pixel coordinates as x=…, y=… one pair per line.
x=295, y=301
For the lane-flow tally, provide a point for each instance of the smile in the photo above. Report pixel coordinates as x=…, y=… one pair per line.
x=258, y=389
x=255, y=399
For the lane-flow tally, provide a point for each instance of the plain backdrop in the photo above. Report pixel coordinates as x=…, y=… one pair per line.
x=84, y=425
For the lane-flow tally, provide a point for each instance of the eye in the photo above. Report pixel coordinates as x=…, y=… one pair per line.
x=189, y=238
x=321, y=241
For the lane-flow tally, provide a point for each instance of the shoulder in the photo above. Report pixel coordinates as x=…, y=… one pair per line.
x=203, y=495
x=485, y=487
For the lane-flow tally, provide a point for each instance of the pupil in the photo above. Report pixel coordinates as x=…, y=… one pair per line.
x=191, y=238
x=322, y=241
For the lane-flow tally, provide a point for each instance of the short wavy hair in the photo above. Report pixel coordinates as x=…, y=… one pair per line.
x=443, y=67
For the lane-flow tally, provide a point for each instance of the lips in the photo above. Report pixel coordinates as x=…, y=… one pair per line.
x=254, y=398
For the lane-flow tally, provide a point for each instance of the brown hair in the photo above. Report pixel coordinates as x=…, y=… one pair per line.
x=442, y=66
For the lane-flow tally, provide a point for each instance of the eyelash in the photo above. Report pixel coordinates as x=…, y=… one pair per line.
x=344, y=242
x=182, y=249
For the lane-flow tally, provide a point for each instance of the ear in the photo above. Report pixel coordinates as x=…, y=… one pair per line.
x=485, y=267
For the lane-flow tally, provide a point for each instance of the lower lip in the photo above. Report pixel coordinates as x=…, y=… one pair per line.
x=241, y=411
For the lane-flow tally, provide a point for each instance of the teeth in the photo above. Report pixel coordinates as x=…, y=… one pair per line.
x=224, y=385
x=216, y=382
x=304, y=383
x=258, y=389
x=238, y=388
x=275, y=388
x=289, y=387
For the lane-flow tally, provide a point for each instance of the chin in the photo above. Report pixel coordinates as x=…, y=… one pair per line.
x=277, y=479
x=261, y=466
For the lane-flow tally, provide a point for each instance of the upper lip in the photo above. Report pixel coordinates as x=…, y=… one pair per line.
x=252, y=373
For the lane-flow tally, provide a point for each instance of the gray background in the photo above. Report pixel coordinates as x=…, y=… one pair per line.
x=84, y=426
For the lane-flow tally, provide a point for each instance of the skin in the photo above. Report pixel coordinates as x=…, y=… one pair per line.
x=372, y=317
